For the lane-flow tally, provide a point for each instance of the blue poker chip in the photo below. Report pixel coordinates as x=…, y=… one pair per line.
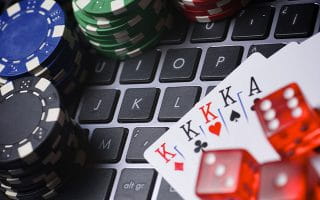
x=51, y=67
x=30, y=32
x=62, y=61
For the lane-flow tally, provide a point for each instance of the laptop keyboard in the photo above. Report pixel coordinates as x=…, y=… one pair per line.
x=129, y=105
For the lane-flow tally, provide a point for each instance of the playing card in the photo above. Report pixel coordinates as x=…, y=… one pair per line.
x=176, y=155
x=225, y=118
x=300, y=68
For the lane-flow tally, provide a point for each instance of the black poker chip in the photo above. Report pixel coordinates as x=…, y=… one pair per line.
x=34, y=104
x=41, y=154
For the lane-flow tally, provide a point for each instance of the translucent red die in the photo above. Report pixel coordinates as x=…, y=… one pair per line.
x=290, y=124
x=285, y=180
x=227, y=174
x=314, y=176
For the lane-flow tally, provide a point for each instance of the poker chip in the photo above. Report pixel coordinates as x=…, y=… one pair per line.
x=46, y=149
x=204, y=11
x=122, y=29
x=39, y=42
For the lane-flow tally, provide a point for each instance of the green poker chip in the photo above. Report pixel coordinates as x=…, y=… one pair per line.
x=133, y=39
x=128, y=31
x=111, y=8
x=140, y=47
x=98, y=22
x=122, y=28
x=133, y=24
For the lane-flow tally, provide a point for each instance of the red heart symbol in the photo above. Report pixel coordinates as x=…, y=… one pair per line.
x=215, y=128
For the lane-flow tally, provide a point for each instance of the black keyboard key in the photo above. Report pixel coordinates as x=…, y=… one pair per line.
x=220, y=61
x=136, y=184
x=209, y=89
x=106, y=145
x=177, y=101
x=138, y=105
x=180, y=65
x=98, y=106
x=140, y=69
x=91, y=184
x=266, y=50
x=166, y=192
x=141, y=139
x=296, y=20
x=178, y=33
x=104, y=72
x=210, y=32
x=253, y=23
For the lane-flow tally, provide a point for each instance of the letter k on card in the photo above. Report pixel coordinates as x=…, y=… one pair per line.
x=171, y=159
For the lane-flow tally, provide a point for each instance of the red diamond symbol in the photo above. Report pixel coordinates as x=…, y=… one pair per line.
x=178, y=166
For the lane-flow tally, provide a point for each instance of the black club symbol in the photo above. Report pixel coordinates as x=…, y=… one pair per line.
x=200, y=146
x=254, y=102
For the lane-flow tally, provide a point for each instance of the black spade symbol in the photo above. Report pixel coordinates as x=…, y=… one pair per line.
x=234, y=116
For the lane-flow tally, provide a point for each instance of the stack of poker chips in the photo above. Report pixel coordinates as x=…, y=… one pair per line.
x=37, y=41
x=122, y=29
x=40, y=147
x=209, y=10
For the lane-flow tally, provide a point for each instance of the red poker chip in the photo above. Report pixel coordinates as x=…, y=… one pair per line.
x=211, y=13
x=209, y=6
x=210, y=18
x=194, y=3
x=214, y=10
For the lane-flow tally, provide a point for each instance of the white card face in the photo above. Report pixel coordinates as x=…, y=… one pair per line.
x=224, y=119
x=176, y=155
x=297, y=65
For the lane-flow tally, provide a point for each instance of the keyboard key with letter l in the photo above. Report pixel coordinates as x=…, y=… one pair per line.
x=142, y=138
x=98, y=105
x=136, y=184
x=220, y=62
x=296, y=20
x=138, y=105
x=106, y=145
x=253, y=23
x=140, y=69
x=180, y=65
x=177, y=101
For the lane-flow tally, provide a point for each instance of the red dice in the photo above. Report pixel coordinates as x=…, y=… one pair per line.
x=290, y=124
x=314, y=176
x=227, y=174
x=285, y=180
